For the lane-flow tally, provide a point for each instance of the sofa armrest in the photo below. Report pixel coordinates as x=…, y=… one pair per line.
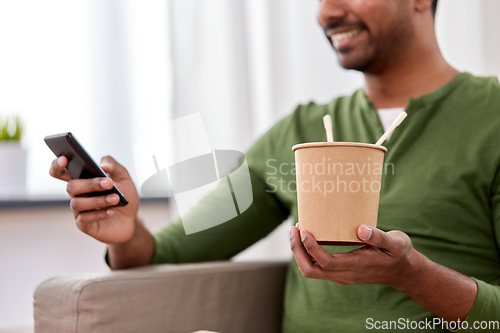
x=217, y=296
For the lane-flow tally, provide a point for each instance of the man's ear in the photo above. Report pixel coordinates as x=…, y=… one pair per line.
x=423, y=5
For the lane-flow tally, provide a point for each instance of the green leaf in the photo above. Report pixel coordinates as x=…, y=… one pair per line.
x=19, y=129
x=2, y=135
x=4, y=129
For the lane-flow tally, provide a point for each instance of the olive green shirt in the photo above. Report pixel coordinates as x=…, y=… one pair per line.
x=444, y=193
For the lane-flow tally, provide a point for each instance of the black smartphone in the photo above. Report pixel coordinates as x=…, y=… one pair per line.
x=80, y=164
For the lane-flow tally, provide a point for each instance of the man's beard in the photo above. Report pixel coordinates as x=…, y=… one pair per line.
x=381, y=51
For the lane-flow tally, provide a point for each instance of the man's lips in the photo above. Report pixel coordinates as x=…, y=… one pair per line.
x=342, y=38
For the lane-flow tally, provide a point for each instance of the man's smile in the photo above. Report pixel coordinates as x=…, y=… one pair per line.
x=341, y=40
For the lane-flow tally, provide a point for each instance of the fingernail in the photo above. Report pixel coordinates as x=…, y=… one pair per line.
x=58, y=161
x=110, y=198
x=303, y=234
x=105, y=183
x=110, y=212
x=291, y=231
x=365, y=233
x=297, y=224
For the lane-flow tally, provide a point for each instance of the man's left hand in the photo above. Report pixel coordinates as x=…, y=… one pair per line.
x=387, y=258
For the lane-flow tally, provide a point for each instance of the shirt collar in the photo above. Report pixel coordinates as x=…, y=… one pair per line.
x=423, y=101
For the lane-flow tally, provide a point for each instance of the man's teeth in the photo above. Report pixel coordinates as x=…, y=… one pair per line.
x=337, y=38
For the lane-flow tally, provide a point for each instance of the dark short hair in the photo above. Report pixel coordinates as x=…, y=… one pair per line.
x=434, y=7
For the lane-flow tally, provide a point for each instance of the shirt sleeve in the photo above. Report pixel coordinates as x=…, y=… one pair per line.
x=485, y=314
x=225, y=240
x=486, y=309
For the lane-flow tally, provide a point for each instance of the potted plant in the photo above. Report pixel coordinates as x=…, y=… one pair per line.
x=12, y=159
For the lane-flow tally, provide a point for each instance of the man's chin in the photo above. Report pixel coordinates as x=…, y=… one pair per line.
x=354, y=63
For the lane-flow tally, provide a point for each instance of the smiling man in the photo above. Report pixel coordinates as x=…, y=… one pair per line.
x=435, y=254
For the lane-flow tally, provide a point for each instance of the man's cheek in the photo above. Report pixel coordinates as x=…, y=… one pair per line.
x=375, y=14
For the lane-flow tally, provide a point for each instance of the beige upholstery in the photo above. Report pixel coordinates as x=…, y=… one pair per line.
x=220, y=296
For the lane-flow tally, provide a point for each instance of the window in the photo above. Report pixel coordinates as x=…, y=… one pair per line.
x=99, y=69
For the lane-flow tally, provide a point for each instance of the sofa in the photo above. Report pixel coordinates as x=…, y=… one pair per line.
x=215, y=296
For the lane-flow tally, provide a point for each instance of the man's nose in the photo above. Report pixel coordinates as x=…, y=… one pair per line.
x=331, y=11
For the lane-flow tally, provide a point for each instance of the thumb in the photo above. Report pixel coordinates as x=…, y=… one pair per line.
x=373, y=236
x=114, y=169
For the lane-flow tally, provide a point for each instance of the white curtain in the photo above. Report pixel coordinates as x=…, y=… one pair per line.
x=467, y=32
x=131, y=74
x=99, y=69
x=245, y=63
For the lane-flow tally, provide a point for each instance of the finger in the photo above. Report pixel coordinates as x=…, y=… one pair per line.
x=378, y=238
x=114, y=169
x=341, y=277
x=94, y=203
x=304, y=262
x=58, y=169
x=399, y=241
x=77, y=187
x=319, y=254
x=85, y=219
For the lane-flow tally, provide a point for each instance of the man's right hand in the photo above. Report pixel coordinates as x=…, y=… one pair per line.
x=95, y=216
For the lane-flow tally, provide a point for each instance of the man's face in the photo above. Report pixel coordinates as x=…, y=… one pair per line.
x=367, y=34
